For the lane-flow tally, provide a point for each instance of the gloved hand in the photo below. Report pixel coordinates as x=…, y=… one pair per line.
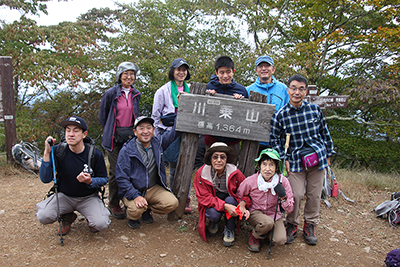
x=280, y=190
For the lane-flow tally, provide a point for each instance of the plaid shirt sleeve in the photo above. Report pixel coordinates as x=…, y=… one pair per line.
x=307, y=127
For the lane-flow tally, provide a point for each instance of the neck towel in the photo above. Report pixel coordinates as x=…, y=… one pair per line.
x=175, y=92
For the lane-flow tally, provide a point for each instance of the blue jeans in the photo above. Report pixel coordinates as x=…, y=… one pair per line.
x=215, y=216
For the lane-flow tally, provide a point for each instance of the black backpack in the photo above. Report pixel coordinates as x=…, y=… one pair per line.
x=59, y=156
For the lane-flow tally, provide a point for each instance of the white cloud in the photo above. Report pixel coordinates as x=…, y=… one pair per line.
x=60, y=11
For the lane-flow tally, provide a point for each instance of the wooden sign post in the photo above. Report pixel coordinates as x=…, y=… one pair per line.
x=219, y=116
x=7, y=104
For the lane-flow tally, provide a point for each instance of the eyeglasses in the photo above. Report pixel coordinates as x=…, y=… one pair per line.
x=222, y=157
x=301, y=89
x=128, y=74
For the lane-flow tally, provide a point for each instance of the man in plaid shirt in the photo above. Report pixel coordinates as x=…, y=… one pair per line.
x=308, y=132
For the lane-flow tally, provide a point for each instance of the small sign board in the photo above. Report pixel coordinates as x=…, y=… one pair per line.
x=234, y=118
x=329, y=102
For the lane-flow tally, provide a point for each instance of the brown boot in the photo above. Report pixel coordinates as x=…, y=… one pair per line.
x=253, y=244
x=188, y=208
x=66, y=221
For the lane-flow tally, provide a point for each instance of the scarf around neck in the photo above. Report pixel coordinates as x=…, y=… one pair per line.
x=265, y=186
x=175, y=92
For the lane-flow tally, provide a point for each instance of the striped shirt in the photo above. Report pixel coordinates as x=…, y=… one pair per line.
x=307, y=127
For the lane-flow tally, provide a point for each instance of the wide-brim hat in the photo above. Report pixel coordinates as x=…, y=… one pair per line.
x=74, y=120
x=220, y=147
x=273, y=154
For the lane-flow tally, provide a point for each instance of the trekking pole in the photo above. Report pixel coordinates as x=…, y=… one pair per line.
x=273, y=228
x=50, y=141
x=286, y=149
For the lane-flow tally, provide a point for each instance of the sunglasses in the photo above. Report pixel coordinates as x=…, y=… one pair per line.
x=215, y=157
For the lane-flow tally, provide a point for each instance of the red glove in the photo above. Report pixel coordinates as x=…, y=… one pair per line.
x=238, y=212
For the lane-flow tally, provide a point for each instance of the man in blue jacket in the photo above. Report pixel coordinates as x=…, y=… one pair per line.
x=140, y=174
x=266, y=84
x=78, y=188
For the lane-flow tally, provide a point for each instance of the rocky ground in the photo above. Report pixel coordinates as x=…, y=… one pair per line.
x=349, y=235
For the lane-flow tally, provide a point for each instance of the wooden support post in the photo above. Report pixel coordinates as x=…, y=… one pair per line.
x=249, y=149
x=184, y=168
x=7, y=104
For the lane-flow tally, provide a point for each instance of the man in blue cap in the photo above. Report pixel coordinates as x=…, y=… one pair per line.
x=266, y=84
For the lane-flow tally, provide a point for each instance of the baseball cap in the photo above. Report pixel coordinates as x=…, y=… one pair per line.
x=74, y=120
x=266, y=59
x=143, y=119
x=179, y=62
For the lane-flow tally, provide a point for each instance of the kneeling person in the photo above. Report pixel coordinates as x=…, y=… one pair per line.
x=261, y=187
x=140, y=174
x=77, y=189
x=216, y=184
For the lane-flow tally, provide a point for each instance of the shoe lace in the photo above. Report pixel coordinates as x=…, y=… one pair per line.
x=228, y=233
x=310, y=229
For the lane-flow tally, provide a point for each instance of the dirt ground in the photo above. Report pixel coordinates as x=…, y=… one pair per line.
x=348, y=235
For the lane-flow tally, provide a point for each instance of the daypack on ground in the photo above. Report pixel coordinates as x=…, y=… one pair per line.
x=393, y=258
x=389, y=209
x=27, y=155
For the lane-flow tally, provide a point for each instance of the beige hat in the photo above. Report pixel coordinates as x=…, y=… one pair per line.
x=220, y=147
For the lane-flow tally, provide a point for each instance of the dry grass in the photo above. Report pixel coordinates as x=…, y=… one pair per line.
x=359, y=184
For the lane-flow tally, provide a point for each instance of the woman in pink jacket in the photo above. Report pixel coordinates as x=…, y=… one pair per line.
x=216, y=184
x=263, y=188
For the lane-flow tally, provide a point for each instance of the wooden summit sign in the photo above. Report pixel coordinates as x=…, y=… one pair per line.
x=226, y=117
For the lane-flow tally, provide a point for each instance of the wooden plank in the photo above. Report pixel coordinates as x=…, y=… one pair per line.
x=184, y=168
x=224, y=117
x=249, y=149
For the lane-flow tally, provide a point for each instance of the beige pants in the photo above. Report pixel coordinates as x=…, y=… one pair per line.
x=263, y=223
x=312, y=189
x=159, y=199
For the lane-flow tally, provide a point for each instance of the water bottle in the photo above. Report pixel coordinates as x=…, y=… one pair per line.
x=335, y=189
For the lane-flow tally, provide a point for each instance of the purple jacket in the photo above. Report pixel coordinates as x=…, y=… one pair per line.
x=108, y=111
x=162, y=105
x=130, y=172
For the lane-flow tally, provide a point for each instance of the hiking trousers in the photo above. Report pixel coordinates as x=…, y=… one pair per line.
x=309, y=183
x=91, y=207
x=159, y=200
x=262, y=224
x=112, y=183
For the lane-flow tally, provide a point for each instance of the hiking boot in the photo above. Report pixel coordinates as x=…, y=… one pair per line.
x=254, y=244
x=116, y=211
x=93, y=230
x=66, y=221
x=291, y=233
x=213, y=228
x=309, y=234
x=188, y=208
x=229, y=237
x=146, y=217
x=134, y=224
